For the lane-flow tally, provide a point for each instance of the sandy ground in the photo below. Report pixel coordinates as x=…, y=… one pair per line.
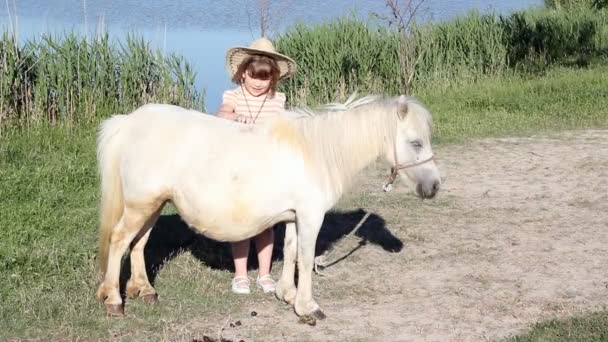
x=518, y=234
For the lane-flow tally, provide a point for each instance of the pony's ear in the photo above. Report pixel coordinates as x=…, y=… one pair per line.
x=402, y=107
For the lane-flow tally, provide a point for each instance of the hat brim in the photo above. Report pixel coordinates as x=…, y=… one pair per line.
x=235, y=56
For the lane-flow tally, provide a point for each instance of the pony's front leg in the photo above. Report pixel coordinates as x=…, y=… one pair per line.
x=308, y=230
x=286, y=288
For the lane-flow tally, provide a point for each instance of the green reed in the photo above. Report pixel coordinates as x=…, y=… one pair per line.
x=72, y=79
x=338, y=57
x=559, y=4
x=467, y=47
x=572, y=37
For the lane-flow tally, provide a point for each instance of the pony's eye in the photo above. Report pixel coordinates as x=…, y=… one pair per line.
x=417, y=144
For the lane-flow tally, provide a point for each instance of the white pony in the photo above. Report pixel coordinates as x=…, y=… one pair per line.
x=230, y=181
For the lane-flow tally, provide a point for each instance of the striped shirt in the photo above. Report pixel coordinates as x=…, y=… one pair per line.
x=249, y=105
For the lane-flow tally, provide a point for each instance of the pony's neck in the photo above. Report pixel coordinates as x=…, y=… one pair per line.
x=343, y=143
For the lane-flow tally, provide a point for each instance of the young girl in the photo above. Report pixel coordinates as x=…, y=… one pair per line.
x=256, y=70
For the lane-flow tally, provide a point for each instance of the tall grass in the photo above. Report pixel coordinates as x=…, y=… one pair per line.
x=73, y=79
x=537, y=39
x=467, y=47
x=337, y=57
x=559, y=4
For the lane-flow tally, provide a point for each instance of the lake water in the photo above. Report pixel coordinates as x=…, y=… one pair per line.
x=202, y=30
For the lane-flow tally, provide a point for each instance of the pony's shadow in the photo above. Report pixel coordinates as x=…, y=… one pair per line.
x=171, y=237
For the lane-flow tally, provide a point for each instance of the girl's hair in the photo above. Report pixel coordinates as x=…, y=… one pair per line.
x=259, y=67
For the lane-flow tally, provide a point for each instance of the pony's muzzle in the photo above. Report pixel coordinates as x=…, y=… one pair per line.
x=428, y=189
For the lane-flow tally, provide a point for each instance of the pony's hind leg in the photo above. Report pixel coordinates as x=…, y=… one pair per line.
x=138, y=284
x=124, y=232
x=286, y=288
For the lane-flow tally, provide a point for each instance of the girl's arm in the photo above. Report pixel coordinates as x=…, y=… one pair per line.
x=228, y=106
x=227, y=112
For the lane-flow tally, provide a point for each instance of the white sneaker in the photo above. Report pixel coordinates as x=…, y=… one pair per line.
x=266, y=283
x=240, y=285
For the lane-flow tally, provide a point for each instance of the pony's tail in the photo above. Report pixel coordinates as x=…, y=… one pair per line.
x=111, y=207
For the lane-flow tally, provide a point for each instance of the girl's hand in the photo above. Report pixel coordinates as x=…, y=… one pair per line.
x=243, y=119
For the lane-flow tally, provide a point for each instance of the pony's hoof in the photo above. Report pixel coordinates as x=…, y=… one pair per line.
x=307, y=319
x=151, y=298
x=115, y=310
x=318, y=314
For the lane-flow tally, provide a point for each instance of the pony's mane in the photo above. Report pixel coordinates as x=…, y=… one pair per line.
x=344, y=138
x=352, y=102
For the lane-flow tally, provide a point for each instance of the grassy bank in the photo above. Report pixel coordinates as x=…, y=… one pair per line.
x=564, y=98
x=48, y=214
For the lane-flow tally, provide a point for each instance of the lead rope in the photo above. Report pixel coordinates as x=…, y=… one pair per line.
x=322, y=262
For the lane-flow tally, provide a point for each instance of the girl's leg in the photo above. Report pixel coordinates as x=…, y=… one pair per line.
x=240, y=282
x=264, y=242
x=240, y=251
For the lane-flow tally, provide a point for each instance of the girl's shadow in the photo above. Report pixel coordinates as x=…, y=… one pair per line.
x=171, y=237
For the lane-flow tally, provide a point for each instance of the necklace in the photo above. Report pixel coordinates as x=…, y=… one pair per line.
x=253, y=119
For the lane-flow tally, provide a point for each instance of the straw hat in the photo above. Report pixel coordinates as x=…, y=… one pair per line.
x=262, y=46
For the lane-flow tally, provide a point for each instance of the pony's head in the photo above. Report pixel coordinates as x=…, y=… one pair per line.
x=411, y=155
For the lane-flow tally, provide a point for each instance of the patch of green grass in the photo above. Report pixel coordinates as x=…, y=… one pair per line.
x=48, y=215
x=564, y=98
x=588, y=328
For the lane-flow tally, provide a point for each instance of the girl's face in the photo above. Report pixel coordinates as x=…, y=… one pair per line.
x=255, y=86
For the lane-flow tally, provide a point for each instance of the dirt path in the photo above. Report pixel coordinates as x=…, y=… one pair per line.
x=519, y=234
